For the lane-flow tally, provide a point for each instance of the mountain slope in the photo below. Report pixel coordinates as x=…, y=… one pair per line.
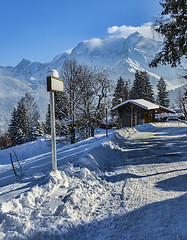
x=11, y=91
x=121, y=56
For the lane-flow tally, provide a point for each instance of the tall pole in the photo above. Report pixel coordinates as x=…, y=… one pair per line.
x=53, y=131
x=53, y=84
x=106, y=123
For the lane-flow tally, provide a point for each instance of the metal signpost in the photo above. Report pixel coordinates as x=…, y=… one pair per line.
x=54, y=84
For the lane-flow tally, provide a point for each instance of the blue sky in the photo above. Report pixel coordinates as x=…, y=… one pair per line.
x=39, y=30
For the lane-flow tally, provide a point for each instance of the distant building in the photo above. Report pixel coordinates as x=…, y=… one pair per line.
x=138, y=111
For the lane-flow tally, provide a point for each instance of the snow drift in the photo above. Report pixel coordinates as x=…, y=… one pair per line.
x=106, y=188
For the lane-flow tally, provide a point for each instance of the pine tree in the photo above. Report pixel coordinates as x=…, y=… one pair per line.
x=147, y=89
x=32, y=117
x=47, y=128
x=61, y=105
x=14, y=127
x=142, y=88
x=36, y=130
x=127, y=90
x=25, y=125
x=22, y=123
x=119, y=92
x=163, y=95
x=18, y=125
x=172, y=24
x=61, y=113
x=135, y=91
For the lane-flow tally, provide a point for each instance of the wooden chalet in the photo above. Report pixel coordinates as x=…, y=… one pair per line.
x=138, y=111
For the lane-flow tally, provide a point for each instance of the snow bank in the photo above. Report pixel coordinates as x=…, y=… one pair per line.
x=109, y=154
x=85, y=193
x=103, y=157
x=48, y=211
x=68, y=198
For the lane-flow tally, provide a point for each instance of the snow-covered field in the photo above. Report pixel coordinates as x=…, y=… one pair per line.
x=131, y=185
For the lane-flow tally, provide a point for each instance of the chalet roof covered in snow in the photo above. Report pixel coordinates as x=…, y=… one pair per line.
x=168, y=110
x=139, y=102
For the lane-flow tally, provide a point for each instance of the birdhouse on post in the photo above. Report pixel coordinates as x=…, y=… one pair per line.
x=54, y=84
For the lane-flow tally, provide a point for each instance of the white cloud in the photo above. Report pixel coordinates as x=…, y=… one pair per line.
x=125, y=31
x=94, y=42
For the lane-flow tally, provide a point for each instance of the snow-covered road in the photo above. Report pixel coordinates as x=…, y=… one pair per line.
x=134, y=187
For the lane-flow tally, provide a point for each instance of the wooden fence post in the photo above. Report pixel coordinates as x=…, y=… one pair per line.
x=13, y=165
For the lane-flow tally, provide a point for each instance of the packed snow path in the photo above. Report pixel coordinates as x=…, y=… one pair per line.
x=136, y=190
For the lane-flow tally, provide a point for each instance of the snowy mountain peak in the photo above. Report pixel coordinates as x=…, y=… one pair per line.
x=134, y=39
x=135, y=35
x=24, y=63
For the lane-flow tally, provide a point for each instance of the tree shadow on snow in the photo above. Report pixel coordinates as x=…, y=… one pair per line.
x=24, y=183
x=123, y=152
x=178, y=183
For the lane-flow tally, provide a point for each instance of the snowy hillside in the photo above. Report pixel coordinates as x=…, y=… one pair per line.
x=121, y=56
x=11, y=91
x=131, y=185
x=174, y=96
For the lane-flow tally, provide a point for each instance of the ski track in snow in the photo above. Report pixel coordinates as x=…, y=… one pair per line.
x=131, y=187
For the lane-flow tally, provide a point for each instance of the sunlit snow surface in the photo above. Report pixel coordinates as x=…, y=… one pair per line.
x=131, y=185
